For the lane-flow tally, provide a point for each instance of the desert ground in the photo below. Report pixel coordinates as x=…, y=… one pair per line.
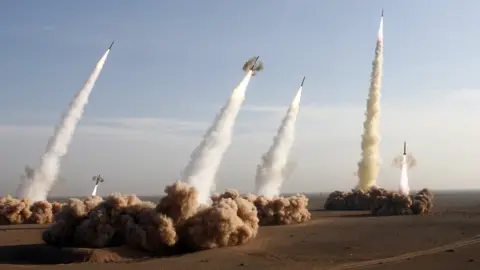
x=448, y=238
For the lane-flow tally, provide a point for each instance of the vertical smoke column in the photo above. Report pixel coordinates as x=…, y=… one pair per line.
x=369, y=165
x=404, y=188
x=37, y=186
x=206, y=158
x=271, y=172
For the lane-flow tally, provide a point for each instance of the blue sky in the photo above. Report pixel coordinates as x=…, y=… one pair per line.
x=175, y=63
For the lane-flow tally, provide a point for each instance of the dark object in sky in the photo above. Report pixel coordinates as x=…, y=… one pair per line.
x=253, y=65
x=302, y=81
x=404, y=148
x=382, y=12
x=98, y=179
x=255, y=62
x=111, y=45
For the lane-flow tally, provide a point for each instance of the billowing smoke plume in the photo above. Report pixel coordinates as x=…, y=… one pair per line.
x=381, y=202
x=227, y=222
x=181, y=202
x=369, y=165
x=38, y=184
x=422, y=202
x=392, y=204
x=276, y=211
x=206, y=158
x=271, y=172
x=283, y=211
x=62, y=232
x=400, y=204
x=353, y=200
x=14, y=211
x=176, y=224
x=119, y=219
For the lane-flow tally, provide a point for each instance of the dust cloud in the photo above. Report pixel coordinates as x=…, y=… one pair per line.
x=177, y=223
x=381, y=202
x=14, y=211
x=274, y=211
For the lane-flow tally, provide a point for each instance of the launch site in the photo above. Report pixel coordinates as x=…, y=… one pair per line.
x=263, y=135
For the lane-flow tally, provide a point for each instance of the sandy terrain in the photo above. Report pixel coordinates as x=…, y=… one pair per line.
x=445, y=239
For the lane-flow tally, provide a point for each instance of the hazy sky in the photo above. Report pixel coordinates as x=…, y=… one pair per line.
x=175, y=63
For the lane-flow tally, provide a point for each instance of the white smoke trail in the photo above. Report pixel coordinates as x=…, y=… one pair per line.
x=404, y=187
x=36, y=188
x=94, y=192
x=271, y=172
x=204, y=162
x=369, y=165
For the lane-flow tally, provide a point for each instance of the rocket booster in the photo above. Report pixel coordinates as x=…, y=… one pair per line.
x=404, y=148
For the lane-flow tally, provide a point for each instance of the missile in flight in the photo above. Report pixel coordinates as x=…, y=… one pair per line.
x=380, y=29
x=254, y=63
x=404, y=148
x=98, y=179
x=302, y=81
x=111, y=45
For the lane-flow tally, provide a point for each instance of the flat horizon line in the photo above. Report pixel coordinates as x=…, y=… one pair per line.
x=287, y=193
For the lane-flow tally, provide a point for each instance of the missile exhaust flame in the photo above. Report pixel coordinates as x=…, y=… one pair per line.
x=404, y=162
x=206, y=158
x=94, y=192
x=274, y=167
x=404, y=188
x=38, y=185
x=369, y=165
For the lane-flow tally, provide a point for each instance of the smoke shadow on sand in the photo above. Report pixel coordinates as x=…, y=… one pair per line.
x=43, y=254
